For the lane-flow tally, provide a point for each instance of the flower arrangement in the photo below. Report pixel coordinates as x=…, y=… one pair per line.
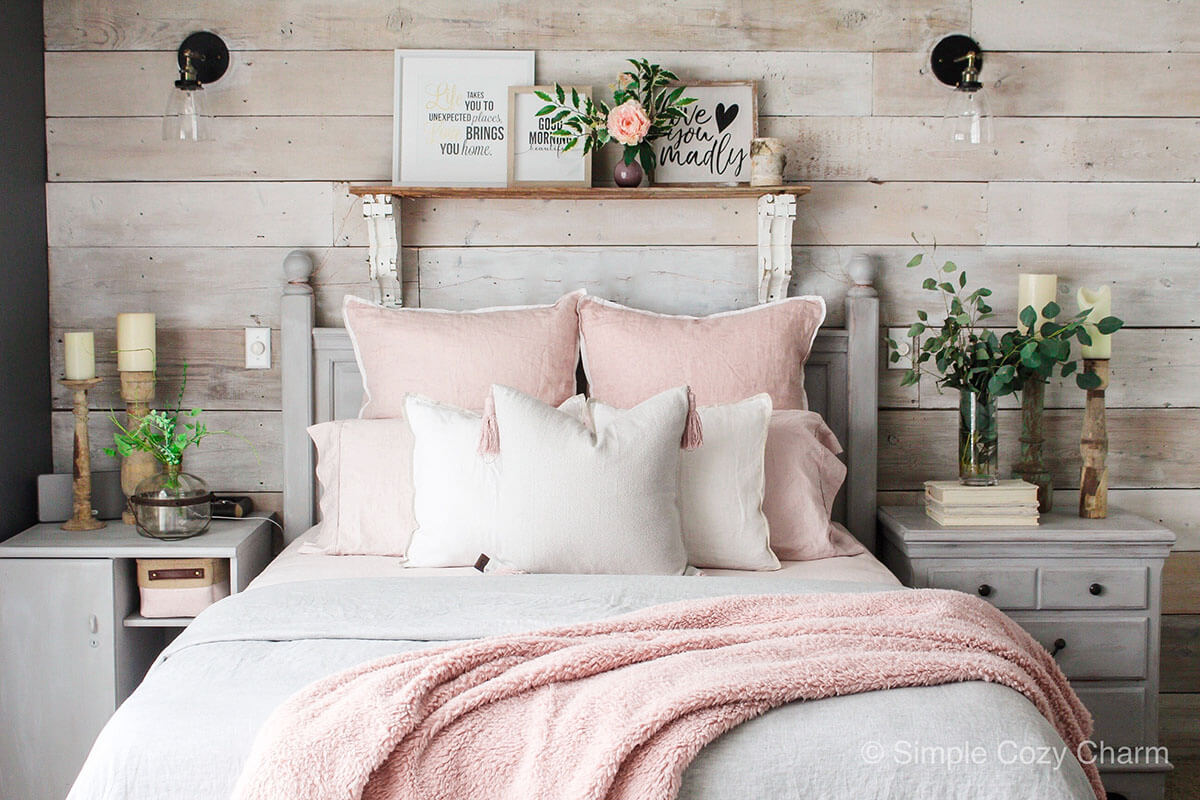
x=984, y=366
x=970, y=357
x=644, y=108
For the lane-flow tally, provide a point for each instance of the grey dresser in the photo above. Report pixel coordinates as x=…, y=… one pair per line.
x=1088, y=590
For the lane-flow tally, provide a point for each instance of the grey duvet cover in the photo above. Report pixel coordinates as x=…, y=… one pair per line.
x=185, y=732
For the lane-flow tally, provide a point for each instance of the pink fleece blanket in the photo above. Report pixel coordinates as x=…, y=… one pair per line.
x=617, y=709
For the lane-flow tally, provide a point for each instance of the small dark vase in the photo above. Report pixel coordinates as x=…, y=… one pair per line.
x=629, y=175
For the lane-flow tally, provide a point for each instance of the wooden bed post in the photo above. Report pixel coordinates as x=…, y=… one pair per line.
x=862, y=367
x=296, y=364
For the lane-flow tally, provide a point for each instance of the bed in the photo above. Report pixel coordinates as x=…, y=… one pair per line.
x=187, y=730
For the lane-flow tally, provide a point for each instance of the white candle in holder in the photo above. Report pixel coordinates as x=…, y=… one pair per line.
x=136, y=347
x=1035, y=290
x=1100, y=302
x=79, y=355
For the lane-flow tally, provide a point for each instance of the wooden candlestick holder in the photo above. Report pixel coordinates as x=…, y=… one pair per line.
x=137, y=390
x=83, y=518
x=1032, y=467
x=1093, y=446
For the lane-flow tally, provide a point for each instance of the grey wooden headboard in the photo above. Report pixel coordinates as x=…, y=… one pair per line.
x=321, y=382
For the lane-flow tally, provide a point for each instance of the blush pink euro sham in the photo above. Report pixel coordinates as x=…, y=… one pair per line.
x=631, y=355
x=803, y=476
x=454, y=357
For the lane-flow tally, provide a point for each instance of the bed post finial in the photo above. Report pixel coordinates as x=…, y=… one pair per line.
x=862, y=360
x=862, y=271
x=296, y=320
x=298, y=269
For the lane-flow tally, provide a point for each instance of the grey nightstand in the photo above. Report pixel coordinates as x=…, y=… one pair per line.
x=72, y=645
x=1088, y=590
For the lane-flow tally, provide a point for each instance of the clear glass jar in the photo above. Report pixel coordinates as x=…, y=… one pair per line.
x=978, y=440
x=172, y=504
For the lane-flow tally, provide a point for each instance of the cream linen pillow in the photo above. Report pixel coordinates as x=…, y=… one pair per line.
x=721, y=485
x=574, y=502
x=454, y=487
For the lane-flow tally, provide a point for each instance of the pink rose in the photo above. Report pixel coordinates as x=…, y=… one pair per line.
x=628, y=123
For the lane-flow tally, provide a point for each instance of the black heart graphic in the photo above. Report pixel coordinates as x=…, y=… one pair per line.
x=725, y=116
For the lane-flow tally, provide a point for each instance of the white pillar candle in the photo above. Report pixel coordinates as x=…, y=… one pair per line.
x=1100, y=302
x=1035, y=290
x=79, y=350
x=136, y=347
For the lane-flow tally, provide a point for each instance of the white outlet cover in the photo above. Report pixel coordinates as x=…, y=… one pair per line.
x=900, y=335
x=258, y=348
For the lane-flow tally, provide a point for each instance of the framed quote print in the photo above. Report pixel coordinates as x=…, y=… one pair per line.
x=535, y=154
x=450, y=120
x=711, y=144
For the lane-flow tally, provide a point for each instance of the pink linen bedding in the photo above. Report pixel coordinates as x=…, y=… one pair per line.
x=618, y=708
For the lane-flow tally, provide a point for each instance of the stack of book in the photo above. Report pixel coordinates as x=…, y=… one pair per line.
x=1011, y=503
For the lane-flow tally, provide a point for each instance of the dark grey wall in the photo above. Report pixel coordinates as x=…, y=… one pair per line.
x=24, y=312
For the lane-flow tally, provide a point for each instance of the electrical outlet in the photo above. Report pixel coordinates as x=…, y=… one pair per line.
x=907, y=345
x=258, y=348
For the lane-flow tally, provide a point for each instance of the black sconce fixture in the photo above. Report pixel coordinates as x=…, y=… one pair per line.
x=956, y=61
x=203, y=58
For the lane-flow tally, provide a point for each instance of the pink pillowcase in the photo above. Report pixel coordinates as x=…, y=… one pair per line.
x=803, y=476
x=455, y=356
x=632, y=355
x=364, y=467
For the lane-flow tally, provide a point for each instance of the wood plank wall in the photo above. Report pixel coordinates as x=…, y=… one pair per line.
x=1092, y=176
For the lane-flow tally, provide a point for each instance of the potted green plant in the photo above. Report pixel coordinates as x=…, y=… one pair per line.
x=645, y=107
x=984, y=365
x=171, y=504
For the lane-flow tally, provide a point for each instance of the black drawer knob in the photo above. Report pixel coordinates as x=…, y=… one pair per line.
x=1059, y=644
x=984, y=590
x=1096, y=589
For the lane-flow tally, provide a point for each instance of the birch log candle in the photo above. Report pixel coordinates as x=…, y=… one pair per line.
x=1035, y=290
x=79, y=356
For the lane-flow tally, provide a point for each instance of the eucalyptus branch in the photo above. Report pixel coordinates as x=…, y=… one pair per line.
x=969, y=357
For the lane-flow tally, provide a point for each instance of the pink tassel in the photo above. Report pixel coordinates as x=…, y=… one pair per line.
x=489, y=434
x=693, y=433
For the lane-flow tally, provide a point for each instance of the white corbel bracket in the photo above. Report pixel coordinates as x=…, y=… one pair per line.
x=775, y=215
x=383, y=246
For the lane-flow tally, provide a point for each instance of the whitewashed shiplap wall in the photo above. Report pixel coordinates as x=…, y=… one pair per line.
x=1092, y=176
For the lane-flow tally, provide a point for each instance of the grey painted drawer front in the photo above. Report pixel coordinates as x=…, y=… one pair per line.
x=1003, y=587
x=1096, y=649
x=1119, y=714
x=1093, y=587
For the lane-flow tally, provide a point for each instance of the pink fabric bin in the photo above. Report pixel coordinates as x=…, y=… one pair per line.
x=181, y=587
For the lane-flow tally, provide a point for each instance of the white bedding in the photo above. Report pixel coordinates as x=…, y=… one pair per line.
x=292, y=565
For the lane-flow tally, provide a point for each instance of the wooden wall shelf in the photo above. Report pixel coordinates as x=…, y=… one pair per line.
x=581, y=193
x=776, y=210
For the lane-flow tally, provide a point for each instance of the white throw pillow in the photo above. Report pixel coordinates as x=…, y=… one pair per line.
x=454, y=488
x=572, y=501
x=721, y=485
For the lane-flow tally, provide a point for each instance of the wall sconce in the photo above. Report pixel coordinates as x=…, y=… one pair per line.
x=203, y=58
x=956, y=61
